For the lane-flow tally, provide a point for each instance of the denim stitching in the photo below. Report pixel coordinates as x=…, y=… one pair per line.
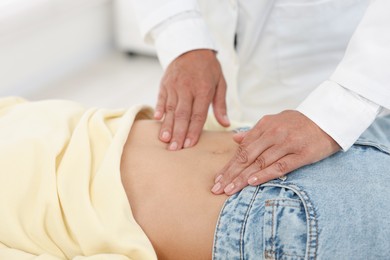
x=311, y=217
x=272, y=232
x=245, y=221
x=278, y=202
x=217, y=228
x=274, y=203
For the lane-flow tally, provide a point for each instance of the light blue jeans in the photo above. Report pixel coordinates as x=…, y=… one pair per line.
x=338, y=208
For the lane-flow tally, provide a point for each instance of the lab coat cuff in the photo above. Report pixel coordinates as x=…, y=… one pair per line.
x=341, y=113
x=371, y=88
x=181, y=37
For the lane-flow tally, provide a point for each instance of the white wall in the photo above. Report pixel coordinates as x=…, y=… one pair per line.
x=127, y=35
x=44, y=40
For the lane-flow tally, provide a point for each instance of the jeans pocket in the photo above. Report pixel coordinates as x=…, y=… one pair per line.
x=285, y=230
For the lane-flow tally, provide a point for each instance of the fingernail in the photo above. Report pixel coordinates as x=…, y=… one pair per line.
x=216, y=187
x=229, y=188
x=165, y=135
x=157, y=114
x=218, y=178
x=252, y=181
x=173, y=146
x=187, y=143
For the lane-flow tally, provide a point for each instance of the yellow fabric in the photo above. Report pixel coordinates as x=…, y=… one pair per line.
x=61, y=195
x=213, y=125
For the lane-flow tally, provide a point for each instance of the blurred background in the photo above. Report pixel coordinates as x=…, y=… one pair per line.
x=89, y=51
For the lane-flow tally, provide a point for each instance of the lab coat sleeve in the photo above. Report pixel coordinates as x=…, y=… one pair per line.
x=346, y=105
x=174, y=26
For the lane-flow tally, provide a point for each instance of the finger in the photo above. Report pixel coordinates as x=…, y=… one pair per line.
x=250, y=147
x=219, y=103
x=241, y=157
x=277, y=169
x=198, y=118
x=244, y=157
x=168, y=121
x=240, y=182
x=161, y=102
x=238, y=137
x=264, y=160
x=181, y=122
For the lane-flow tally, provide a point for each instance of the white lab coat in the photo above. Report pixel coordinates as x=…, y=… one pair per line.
x=329, y=59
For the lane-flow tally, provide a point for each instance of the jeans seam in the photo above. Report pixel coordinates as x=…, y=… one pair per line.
x=278, y=202
x=272, y=232
x=311, y=217
x=274, y=203
x=242, y=233
x=217, y=228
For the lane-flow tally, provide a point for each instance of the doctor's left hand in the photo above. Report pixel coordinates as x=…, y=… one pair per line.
x=277, y=145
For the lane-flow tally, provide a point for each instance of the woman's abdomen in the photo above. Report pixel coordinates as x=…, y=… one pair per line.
x=169, y=192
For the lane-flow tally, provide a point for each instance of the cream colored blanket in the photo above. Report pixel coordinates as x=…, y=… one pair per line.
x=61, y=195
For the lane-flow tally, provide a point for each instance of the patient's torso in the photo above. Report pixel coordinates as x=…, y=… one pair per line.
x=169, y=192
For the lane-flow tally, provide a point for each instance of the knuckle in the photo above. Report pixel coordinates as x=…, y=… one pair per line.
x=205, y=85
x=278, y=131
x=297, y=138
x=182, y=115
x=170, y=108
x=281, y=167
x=260, y=162
x=241, y=155
x=198, y=117
x=292, y=139
x=205, y=92
x=302, y=148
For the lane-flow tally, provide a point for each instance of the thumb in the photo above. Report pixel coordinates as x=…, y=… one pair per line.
x=219, y=103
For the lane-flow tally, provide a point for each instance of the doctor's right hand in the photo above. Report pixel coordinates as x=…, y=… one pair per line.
x=190, y=84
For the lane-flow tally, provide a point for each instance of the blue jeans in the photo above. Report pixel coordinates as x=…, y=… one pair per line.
x=338, y=208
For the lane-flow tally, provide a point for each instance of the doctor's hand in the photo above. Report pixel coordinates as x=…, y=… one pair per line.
x=277, y=145
x=190, y=84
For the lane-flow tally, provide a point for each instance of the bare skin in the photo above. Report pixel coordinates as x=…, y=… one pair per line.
x=169, y=193
x=277, y=145
x=274, y=147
